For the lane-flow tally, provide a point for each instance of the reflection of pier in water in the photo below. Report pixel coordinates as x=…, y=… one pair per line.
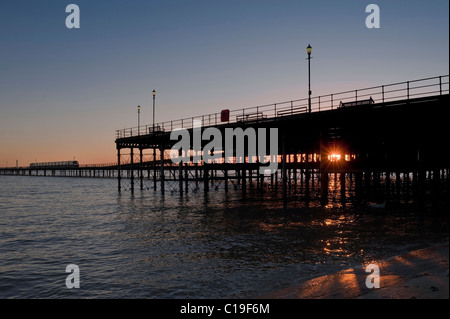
x=382, y=143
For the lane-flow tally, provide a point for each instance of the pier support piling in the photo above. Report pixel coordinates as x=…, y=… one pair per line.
x=132, y=169
x=119, y=186
x=162, y=176
x=141, y=175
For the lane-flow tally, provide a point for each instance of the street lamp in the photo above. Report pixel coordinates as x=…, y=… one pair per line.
x=139, y=119
x=308, y=50
x=154, y=95
x=154, y=147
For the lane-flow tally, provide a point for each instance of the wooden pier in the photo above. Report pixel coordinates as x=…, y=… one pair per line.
x=381, y=143
x=90, y=170
x=368, y=142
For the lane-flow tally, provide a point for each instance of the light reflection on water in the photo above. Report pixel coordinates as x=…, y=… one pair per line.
x=148, y=246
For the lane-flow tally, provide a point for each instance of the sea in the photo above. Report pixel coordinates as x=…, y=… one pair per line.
x=146, y=245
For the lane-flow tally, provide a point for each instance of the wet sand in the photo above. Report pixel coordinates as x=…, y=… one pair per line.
x=420, y=274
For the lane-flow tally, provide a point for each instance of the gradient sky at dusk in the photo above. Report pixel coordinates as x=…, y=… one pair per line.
x=64, y=92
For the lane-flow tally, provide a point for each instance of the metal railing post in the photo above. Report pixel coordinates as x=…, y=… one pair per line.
x=407, y=90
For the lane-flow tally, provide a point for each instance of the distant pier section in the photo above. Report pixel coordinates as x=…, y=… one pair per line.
x=63, y=169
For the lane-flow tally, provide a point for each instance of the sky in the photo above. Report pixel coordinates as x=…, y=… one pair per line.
x=64, y=92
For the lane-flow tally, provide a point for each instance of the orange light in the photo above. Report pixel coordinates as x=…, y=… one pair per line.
x=334, y=157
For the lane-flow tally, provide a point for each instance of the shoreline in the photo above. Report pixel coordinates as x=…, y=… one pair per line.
x=419, y=274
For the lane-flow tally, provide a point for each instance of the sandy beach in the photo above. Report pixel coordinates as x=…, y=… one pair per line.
x=420, y=274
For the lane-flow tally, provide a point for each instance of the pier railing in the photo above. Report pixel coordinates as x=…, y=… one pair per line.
x=406, y=91
x=103, y=165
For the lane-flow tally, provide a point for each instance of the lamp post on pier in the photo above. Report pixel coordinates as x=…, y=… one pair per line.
x=308, y=50
x=154, y=96
x=154, y=147
x=139, y=119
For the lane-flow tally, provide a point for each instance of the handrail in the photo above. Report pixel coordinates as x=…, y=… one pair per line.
x=97, y=165
x=380, y=94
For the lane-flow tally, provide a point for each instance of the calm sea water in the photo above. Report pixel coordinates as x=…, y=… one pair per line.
x=144, y=245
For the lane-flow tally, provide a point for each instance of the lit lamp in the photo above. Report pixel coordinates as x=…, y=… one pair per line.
x=308, y=50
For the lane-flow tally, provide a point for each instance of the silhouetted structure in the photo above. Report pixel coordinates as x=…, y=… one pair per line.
x=380, y=143
x=375, y=139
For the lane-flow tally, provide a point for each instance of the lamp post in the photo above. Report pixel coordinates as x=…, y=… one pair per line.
x=139, y=119
x=154, y=147
x=308, y=50
x=154, y=96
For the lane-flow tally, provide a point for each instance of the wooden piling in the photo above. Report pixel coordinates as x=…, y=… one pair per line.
x=205, y=178
x=131, y=168
x=162, y=176
x=141, y=175
x=186, y=178
x=225, y=173
x=154, y=169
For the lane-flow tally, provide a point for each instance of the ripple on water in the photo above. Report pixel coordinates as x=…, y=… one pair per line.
x=146, y=246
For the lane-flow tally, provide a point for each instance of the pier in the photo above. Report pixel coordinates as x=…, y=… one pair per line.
x=86, y=170
x=379, y=143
